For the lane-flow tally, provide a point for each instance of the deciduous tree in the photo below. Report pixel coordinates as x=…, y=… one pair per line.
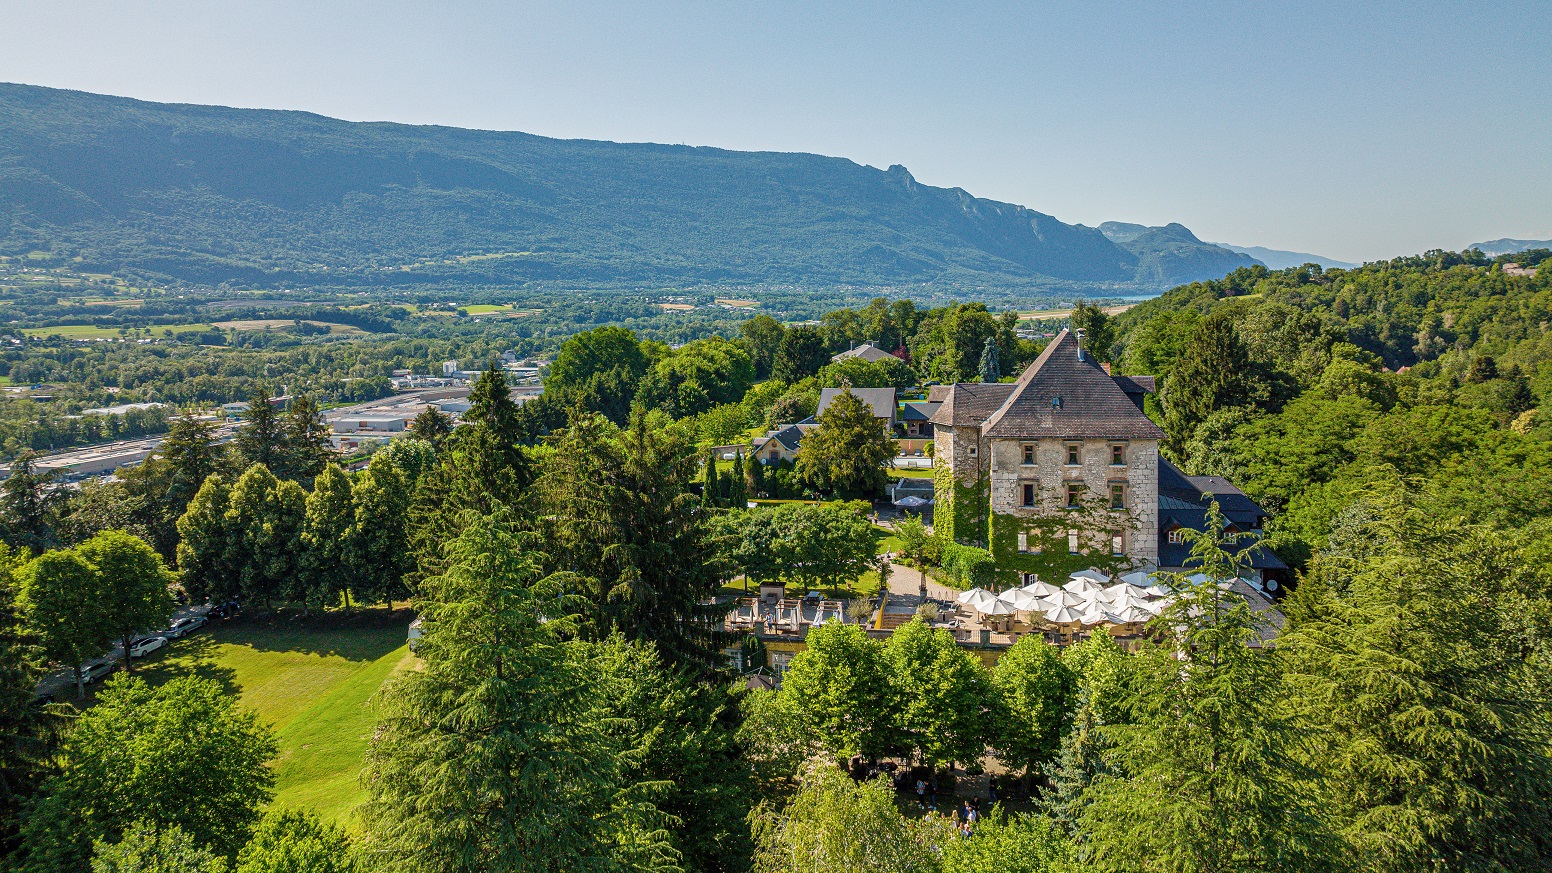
x=848, y=451
x=60, y=594
x=839, y=687
x=128, y=759
x=133, y=584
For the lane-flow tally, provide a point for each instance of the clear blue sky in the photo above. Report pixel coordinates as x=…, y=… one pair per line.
x=1355, y=130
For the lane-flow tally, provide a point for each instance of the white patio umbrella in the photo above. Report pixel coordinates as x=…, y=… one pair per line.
x=1157, y=591
x=1197, y=578
x=1018, y=598
x=1099, y=616
x=1134, y=615
x=1130, y=597
x=1081, y=586
x=997, y=607
x=1117, y=590
x=977, y=599
x=911, y=502
x=1092, y=575
x=1139, y=578
x=1061, y=599
x=1064, y=615
x=1041, y=589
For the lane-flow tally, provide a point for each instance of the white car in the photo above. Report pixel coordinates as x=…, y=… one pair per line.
x=146, y=647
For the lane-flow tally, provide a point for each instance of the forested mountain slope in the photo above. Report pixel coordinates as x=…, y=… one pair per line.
x=1326, y=393
x=210, y=194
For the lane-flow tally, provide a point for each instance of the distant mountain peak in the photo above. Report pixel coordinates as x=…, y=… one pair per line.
x=1506, y=246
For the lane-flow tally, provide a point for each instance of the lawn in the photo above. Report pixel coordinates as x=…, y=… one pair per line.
x=313, y=682
x=486, y=308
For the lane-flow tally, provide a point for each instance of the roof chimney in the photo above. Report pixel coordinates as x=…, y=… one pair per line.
x=1079, y=334
x=1106, y=368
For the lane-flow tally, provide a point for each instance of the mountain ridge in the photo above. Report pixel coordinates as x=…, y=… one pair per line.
x=212, y=194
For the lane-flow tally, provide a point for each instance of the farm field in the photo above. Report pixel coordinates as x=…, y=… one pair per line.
x=93, y=331
x=313, y=683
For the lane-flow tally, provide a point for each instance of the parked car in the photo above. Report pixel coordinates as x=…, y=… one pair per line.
x=185, y=626
x=96, y=671
x=145, y=647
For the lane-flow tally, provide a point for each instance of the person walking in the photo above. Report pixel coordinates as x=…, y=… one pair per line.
x=921, y=792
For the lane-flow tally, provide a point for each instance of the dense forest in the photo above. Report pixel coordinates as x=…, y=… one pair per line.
x=210, y=195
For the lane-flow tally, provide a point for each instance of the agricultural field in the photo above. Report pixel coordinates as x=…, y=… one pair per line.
x=97, y=332
x=313, y=682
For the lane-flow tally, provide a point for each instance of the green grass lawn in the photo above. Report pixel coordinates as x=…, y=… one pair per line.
x=486, y=308
x=313, y=683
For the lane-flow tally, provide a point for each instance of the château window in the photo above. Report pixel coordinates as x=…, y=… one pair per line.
x=1029, y=456
x=1072, y=542
x=1074, y=489
x=1117, y=496
x=1117, y=543
x=1029, y=494
x=1072, y=455
x=1023, y=541
x=1118, y=456
x=972, y=451
x=1177, y=536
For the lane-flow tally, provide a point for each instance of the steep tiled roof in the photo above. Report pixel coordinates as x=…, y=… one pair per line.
x=1091, y=404
x=867, y=351
x=1136, y=384
x=938, y=393
x=969, y=403
x=882, y=400
x=916, y=410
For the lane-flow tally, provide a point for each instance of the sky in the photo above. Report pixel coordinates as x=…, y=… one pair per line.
x=1354, y=130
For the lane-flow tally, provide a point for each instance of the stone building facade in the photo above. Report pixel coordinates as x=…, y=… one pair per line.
x=1057, y=471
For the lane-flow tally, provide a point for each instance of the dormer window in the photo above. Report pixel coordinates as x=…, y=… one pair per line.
x=1177, y=536
x=1073, y=454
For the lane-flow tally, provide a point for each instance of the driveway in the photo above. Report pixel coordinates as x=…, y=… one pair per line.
x=60, y=684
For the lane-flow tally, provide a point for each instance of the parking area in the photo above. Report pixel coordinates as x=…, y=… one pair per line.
x=60, y=684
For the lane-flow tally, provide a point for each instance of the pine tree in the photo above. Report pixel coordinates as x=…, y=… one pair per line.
x=990, y=371
x=326, y=526
x=757, y=477
x=499, y=754
x=432, y=425
x=192, y=456
x=1206, y=779
x=618, y=509
x=1419, y=696
x=29, y=505
x=308, y=447
x=738, y=484
x=710, y=488
x=26, y=730
x=1079, y=763
x=262, y=439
